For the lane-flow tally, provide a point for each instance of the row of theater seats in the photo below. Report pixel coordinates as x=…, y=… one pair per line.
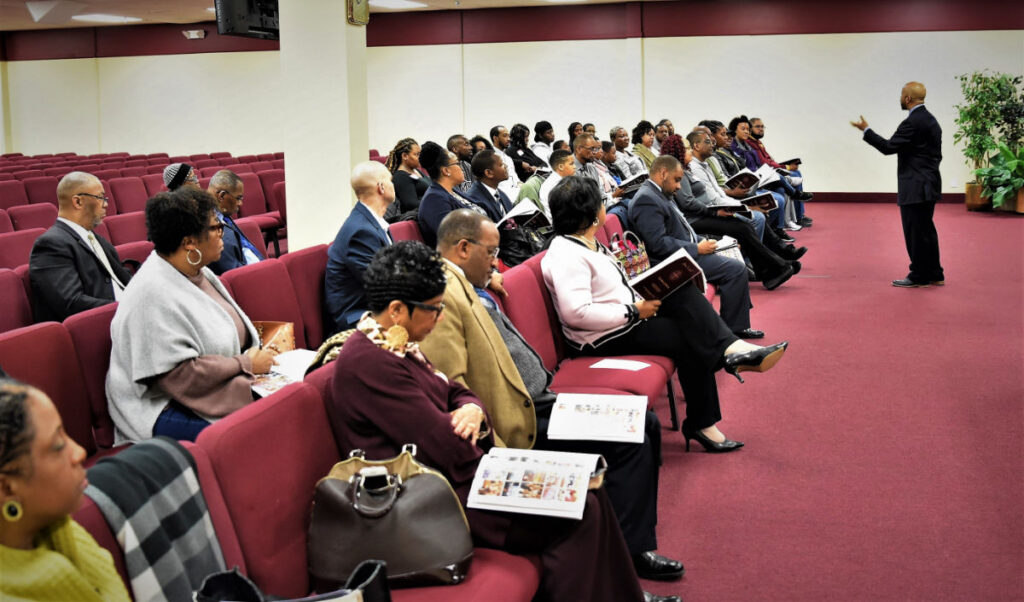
x=21, y=168
x=262, y=522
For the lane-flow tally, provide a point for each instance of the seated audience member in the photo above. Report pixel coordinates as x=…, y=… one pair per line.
x=756, y=134
x=668, y=124
x=501, y=139
x=479, y=143
x=44, y=553
x=177, y=175
x=608, y=163
x=410, y=185
x=654, y=217
x=602, y=316
x=626, y=160
x=479, y=347
x=660, y=133
x=643, y=138
x=364, y=233
x=176, y=363
x=531, y=188
x=489, y=171
x=781, y=189
x=71, y=268
x=563, y=164
x=559, y=145
x=228, y=189
x=462, y=149
x=441, y=198
x=543, y=136
x=526, y=163
x=403, y=400
x=586, y=154
x=575, y=129
x=590, y=128
x=770, y=267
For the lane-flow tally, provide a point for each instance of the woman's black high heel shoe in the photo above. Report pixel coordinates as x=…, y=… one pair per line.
x=760, y=360
x=711, y=447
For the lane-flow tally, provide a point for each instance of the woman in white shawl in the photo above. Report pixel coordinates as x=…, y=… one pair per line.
x=177, y=360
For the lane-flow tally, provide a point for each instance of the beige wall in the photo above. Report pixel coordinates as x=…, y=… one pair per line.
x=806, y=87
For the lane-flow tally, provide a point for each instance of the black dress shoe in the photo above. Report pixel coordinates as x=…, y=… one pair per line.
x=805, y=221
x=908, y=283
x=786, y=237
x=776, y=281
x=938, y=283
x=711, y=447
x=796, y=265
x=649, y=597
x=749, y=333
x=804, y=196
x=651, y=565
x=790, y=252
x=759, y=360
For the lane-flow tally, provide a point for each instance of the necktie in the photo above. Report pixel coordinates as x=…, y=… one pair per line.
x=98, y=250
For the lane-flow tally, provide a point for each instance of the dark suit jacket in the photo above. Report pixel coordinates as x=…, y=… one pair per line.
x=479, y=195
x=917, y=145
x=357, y=241
x=656, y=222
x=67, y=277
x=232, y=256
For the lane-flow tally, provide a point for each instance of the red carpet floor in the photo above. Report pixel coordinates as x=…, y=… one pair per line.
x=884, y=455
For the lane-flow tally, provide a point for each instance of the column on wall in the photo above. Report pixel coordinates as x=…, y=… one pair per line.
x=323, y=69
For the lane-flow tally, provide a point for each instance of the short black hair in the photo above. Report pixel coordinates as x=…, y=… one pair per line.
x=495, y=131
x=695, y=136
x=640, y=130
x=479, y=138
x=574, y=203
x=405, y=271
x=172, y=216
x=452, y=140
x=559, y=145
x=607, y=145
x=540, y=128
x=16, y=429
x=735, y=121
x=559, y=157
x=432, y=158
x=483, y=161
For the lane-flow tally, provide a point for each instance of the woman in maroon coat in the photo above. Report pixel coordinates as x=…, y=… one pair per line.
x=386, y=394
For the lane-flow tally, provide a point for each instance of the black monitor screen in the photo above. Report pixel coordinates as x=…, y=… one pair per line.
x=250, y=18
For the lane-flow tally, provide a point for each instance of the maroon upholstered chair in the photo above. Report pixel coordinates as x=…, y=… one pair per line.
x=279, y=155
x=277, y=164
x=406, y=230
x=26, y=174
x=278, y=200
x=90, y=335
x=239, y=168
x=266, y=156
x=41, y=190
x=15, y=308
x=154, y=183
x=198, y=157
x=130, y=194
x=306, y=269
x=264, y=292
x=111, y=201
x=137, y=251
x=16, y=247
x=5, y=223
x=27, y=217
x=126, y=227
x=267, y=180
x=108, y=173
x=157, y=156
x=12, y=194
x=612, y=226
x=255, y=204
x=251, y=228
x=206, y=163
x=134, y=172
x=247, y=159
x=219, y=155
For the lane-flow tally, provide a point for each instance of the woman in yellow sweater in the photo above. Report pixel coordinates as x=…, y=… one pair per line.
x=44, y=555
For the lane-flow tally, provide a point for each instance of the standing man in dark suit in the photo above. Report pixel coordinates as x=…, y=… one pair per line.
x=489, y=170
x=664, y=230
x=71, y=268
x=917, y=145
x=360, y=237
x=229, y=190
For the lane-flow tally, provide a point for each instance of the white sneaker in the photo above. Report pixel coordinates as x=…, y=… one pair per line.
x=793, y=227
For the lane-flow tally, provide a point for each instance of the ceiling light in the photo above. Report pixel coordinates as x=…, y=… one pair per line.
x=396, y=4
x=101, y=18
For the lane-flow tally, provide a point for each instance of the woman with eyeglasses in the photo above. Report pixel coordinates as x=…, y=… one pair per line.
x=643, y=141
x=386, y=394
x=441, y=198
x=177, y=362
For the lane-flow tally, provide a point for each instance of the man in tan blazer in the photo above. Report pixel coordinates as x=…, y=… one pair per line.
x=477, y=345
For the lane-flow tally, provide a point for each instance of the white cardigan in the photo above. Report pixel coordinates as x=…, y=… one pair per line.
x=589, y=291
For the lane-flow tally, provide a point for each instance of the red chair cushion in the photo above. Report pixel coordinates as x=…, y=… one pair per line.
x=90, y=334
x=306, y=268
x=41, y=190
x=15, y=308
x=27, y=217
x=405, y=230
x=264, y=292
x=16, y=247
x=127, y=227
x=130, y=194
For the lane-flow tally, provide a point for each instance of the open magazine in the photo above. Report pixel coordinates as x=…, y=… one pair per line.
x=530, y=481
x=762, y=201
x=632, y=184
x=582, y=416
x=745, y=178
x=676, y=270
x=290, y=368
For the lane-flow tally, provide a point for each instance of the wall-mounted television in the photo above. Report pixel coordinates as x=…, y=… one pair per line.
x=249, y=18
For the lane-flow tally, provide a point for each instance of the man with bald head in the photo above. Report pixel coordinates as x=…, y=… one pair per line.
x=71, y=268
x=917, y=145
x=363, y=234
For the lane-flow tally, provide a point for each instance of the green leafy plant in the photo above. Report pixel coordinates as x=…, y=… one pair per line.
x=1004, y=176
x=992, y=112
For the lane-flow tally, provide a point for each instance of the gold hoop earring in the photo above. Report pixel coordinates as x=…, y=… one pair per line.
x=12, y=511
x=397, y=337
x=188, y=257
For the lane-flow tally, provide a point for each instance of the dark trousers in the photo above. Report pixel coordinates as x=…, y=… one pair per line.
x=631, y=480
x=179, y=422
x=688, y=330
x=766, y=263
x=730, y=276
x=922, y=242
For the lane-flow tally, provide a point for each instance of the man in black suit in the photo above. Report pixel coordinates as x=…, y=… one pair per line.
x=71, y=268
x=229, y=190
x=917, y=145
x=490, y=170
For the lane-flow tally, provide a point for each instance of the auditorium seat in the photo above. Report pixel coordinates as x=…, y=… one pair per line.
x=207, y=172
x=264, y=292
x=27, y=217
x=59, y=172
x=28, y=173
x=154, y=184
x=259, y=166
x=134, y=172
x=266, y=156
x=405, y=230
x=15, y=308
x=126, y=227
x=198, y=157
x=41, y=189
x=5, y=223
x=306, y=269
x=250, y=227
x=279, y=155
x=179, y=159
x=277, y=164
x=278, y=200
x=220, y=155
x=268, y=178
x=101, y=230
x=247, y=159
x=255, y=204
x=90, y=335
x=108, y=173
x=161, y=156
x=239, y=168
x=130, y=194
x=138, y=162
x=612, y=226
x=16, y=247
x=6, y=176
x=156, y=168
x=206, y=163
x=12, y=194
x=112, y=208
x=136, y=251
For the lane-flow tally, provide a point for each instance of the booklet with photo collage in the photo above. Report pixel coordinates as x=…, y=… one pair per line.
x=584, y=416
x=290, y=367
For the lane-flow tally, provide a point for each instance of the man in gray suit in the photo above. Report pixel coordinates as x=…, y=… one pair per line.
x=917, y=145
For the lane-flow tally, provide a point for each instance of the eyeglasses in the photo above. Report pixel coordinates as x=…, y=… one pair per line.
x=437, y=309
x=492, y=253
x=218, y=228
x=238, y=197
x=103, y=198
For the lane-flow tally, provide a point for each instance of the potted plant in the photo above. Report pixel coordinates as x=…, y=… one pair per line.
x=1003, y=179
x=988, y=98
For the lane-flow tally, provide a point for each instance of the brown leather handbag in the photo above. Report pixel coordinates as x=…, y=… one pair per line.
x=279, y=336
x=395, y=510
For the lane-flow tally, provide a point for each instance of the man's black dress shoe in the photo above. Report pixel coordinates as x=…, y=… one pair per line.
x=805, y=221
x=908, y=283
x=786, y=237
x=804, y=196
x=792, y=253
x=651, y=565
x=776, y=281
x=749, y=333
x=649, y=597
x=796, y=265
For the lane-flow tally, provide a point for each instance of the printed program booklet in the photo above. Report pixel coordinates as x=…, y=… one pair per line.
x=745, y=178
x=530, y=481
x=582, y=416
x=290, y=368
x=676, y=270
